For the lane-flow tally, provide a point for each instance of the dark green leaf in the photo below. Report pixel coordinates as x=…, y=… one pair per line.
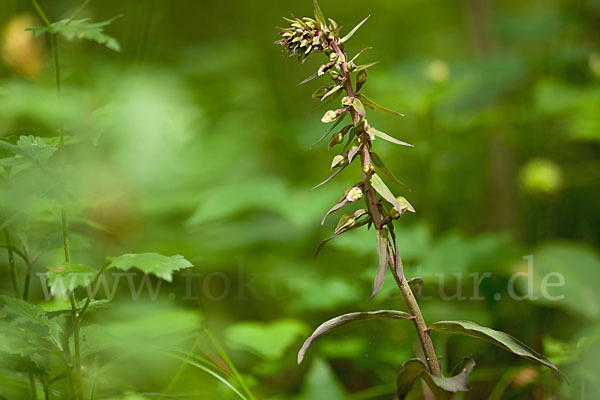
x=353, y=31
x=500, y=339
x=151, y=263
x=379, y=164
x=345, y=319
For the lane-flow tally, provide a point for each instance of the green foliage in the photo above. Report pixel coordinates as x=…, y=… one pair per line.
x=81, y=29
x=68, y=277
x=150, y=263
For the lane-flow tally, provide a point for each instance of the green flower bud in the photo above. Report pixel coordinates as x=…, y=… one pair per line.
x=337, y=138
x=338, y=161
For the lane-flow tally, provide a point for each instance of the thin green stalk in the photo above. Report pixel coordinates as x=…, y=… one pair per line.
x=79, y=10
x=11, y=263
x=29, y=263
x=32, y=386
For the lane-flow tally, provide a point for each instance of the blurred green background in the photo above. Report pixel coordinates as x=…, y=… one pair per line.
x=194, y=140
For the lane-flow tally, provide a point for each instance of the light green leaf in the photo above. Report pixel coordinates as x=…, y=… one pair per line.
x=321, y=383
x=151, y=263
x=500, y=339
x=383, y=190
x=371, y=104
x=270, y=340
x=33, y=148
x=319, y=16
x=374, y=132
x=345, y=319
x=353, y=31
x=68, y=277
x=81, y=29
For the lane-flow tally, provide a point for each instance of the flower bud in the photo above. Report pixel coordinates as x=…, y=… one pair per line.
x=354, y=194
x=333, y=74
x=338, y=161
x=320, y=92
x=337, y=138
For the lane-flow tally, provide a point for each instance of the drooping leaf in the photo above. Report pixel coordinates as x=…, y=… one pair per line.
x=334, y=209
x=81, y=29
x=324, y=242
x=151, y=263
x=337, y=171
x=353, y=31
x=337, y=122
x=379, y=164
x=500, y=339
x=345, y=319
x=372, y=105
x=440, y=386
x=68, y=277
x=384, y=191
x=374, y=132
x=382, y=251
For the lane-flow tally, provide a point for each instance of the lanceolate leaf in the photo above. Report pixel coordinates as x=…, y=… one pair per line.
x=383, y=190
x=338, y=233
x=365, y=66
x=337, y=171
x=331, y=91
x=353, y=31
x=359, y=53
x=500, y=339
x=382, y=251
x=442, y=387
x=337, y=122
x=334, y=209
x=387, y=137
x=371, y=104
x=68, y=277
x=151, y=263
x=345, y=319
x=379, y=164
x=319, y=16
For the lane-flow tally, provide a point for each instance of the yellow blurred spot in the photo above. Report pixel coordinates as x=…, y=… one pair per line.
x=438, y=71
x=541, y=175
x=594, y=63
x=21, y=52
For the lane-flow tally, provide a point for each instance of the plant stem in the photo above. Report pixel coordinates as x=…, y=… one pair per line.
x=32, y=386
x=11, y=263
x=377, y=218
x=29, y=263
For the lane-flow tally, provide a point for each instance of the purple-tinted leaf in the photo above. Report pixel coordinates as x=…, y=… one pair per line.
x=352, y=153
x=345, y=319
x=440, y=386
x=324, y=242
x=500, y=339
x=337, y=122
x=334, y=209
x=353, y=31
x=330, y=177
x=382, y=251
